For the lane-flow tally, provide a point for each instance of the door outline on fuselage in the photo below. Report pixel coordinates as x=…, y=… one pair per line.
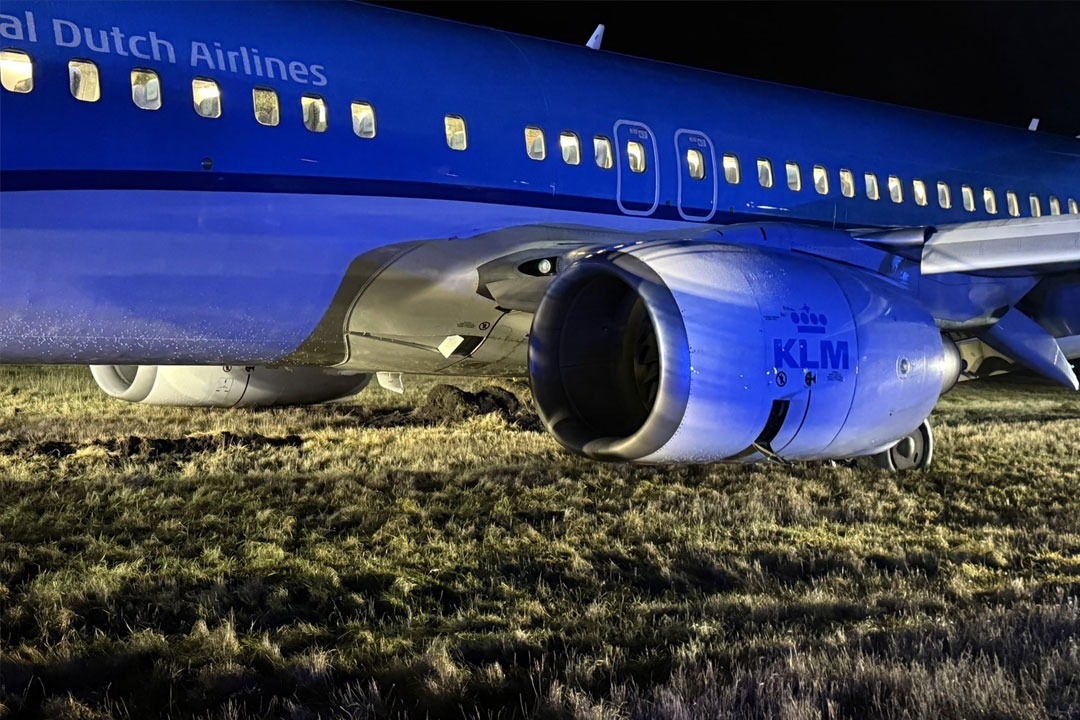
x=710, y=172
x=621, y=167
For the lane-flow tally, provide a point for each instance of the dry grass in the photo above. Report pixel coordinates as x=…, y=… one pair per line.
x=418, y=557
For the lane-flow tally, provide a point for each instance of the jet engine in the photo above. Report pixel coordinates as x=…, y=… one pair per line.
x=691, y=352
x=201, y=386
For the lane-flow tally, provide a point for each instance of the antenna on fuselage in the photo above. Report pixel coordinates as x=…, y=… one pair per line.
x=597, y=38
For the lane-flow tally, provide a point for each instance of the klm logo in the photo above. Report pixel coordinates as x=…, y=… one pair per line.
x=806, y=321
x=799, y=353
x=810, y=354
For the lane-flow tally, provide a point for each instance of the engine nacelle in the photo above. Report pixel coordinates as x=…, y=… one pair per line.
x=202, y=386
x=690, y=352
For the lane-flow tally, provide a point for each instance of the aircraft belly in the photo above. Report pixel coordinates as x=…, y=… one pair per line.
x=165, y=277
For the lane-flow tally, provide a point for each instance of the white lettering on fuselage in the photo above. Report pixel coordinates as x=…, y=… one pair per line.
x=248, y=61
x=113, y=41
x=206, y=56
x=12, y=27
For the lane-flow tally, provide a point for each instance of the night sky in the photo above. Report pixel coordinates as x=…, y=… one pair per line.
x=998, y=61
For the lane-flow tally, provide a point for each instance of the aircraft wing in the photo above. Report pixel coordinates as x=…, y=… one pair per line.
x=1017, y=246
x=1042, y=248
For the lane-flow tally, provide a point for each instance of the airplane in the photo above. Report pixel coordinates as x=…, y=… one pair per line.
x=212, y=206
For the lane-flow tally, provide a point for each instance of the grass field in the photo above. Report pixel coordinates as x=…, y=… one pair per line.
x=437, y=556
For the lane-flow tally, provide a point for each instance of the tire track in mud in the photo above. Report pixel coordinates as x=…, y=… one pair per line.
x=443, y=404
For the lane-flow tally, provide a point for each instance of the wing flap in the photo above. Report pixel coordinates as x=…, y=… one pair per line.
x=1019, y=243
x=1028, y=343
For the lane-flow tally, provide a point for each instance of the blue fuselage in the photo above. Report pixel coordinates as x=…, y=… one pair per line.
x=135, y=235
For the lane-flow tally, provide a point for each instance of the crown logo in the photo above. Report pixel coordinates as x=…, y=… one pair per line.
x=807, y=321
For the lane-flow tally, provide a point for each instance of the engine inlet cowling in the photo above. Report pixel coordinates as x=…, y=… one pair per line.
x=698, y=352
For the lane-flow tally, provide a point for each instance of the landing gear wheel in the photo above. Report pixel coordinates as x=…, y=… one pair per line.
x=913, y=452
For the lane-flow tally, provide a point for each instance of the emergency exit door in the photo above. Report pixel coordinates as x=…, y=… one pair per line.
x=637, y=160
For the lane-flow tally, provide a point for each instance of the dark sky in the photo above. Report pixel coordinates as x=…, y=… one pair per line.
x=999, y=61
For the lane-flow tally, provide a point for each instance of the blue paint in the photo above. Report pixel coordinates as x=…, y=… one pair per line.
x=129, y=235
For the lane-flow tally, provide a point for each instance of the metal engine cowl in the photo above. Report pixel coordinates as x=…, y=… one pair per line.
x=217, y=386
x=692, y=352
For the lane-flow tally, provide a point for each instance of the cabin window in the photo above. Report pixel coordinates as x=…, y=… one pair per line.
x=969, y=197
x=1074, y=209
x=944, y=195
x=314, y=108
x=919, y=192
x=16, y=71
x=602, y=152
x=872, y=191
x=847, y=183
x=821, y=180
x=764, y=173
x=1055, y=206
x=635, y=154
x=794, y=177
x=145, y=89
x=571, y=147
x=1036, y=206
x=534, y=142
x=732, y=171
x=695, y=161
x=363, y=119
x=1013, y=203
x=990, y=201
x=84, y=81
x=457, y=136
x=265, y=102
x=896, y=189
x=207, y=97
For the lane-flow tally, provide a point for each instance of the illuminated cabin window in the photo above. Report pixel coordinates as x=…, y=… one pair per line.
x=695, y=161
x=314, y=108
x=1055, y=206
x=267, y=110
x=764, y=173
x=821, y=180
x=1012, y=203
x=16, y=71
x=457, y=137
x=732, y=171
x=969, y=197
x=944, y=195
x=990, y=201
x=84, y=81
x=363, y=119
x=1074, y=209
x=635, y=155
x=919, y=191
x=207, y=97
x=847, y=183
x=896, y=189
x=145, y=89
x=872, y=191
x=571, y=147
x=534, y=142
x=1036, y=206
x=602, y=152
x=794, y=177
